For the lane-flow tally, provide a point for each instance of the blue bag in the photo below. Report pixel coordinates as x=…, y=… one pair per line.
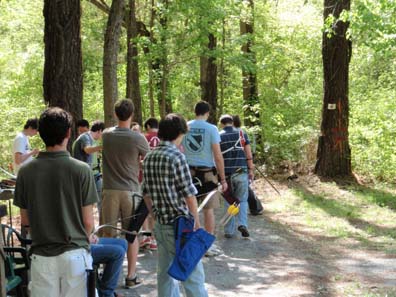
x=191, y=246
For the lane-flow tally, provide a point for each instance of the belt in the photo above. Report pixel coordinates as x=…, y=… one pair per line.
x=202, y=168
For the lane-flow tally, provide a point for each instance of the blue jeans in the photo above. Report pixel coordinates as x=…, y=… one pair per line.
x=99, y=186
x=111, y=252
x=239, y=189
x=167, y=286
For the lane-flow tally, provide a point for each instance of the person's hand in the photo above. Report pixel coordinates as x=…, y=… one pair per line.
x=251, y=175
x=197, y=225
x=224, y=186
x=93, y=239
x=35, y=152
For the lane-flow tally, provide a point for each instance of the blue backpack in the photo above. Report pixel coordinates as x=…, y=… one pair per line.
x=191, y=246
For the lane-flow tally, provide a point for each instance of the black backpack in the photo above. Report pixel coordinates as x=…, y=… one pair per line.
x=255, y=206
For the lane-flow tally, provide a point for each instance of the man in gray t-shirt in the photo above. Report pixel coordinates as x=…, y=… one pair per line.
x=122, y=152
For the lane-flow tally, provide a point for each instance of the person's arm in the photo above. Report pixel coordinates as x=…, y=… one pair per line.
x=219, y=161
x=249, y=161
x=20, y=158
x=149, y=204
x=24, y=217
x=88, y=219
x=193, y=209
x=92, y=149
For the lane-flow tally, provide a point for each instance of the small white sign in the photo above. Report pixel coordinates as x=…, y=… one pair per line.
x=331, y=106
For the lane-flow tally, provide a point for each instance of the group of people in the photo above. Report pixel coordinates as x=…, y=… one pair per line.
x=56, y=193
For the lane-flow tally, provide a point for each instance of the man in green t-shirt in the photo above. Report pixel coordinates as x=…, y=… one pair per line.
x=55, y=194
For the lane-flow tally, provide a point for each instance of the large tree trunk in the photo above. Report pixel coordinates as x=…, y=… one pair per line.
x=110, y=54
x=334, y=153
x=249, y=79
x=133, y=83
x=63, y=81
x=208, y=78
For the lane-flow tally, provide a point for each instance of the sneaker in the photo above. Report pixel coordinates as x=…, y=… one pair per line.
x=153, y=245
x=144, y=242
x=212, y=251
x=131, y=283
x=244, y=231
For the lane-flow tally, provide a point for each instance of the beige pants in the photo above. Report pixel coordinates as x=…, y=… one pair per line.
x=116, y=205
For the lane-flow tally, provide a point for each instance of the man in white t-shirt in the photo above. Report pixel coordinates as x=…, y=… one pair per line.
x=21, y=150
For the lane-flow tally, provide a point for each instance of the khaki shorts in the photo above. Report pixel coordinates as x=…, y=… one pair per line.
x=116, y=205
x=214, y=202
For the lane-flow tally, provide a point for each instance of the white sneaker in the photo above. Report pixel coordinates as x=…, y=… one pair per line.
x=213, y=251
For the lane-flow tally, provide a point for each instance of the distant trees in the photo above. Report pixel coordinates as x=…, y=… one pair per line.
x=334, y=153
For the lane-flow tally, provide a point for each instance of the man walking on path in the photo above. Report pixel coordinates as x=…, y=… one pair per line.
x=21, y=150
x=239, y=168
x=202, y=149
x=55, y=194
x=122, y=151
x=169, y=193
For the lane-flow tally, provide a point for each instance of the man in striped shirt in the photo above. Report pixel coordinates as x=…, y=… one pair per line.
x=238, y=167
x=169, y=193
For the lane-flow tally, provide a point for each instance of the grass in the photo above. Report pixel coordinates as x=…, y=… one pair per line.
x=365, y=214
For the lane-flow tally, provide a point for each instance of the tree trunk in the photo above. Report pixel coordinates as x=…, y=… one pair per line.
x=133, y=83
x=165, y=106
x=63, y=81
x=334, y=153
x=110, y=54
x=208, y=78
x=150, y=82
x=249, y=79
x=222, y=71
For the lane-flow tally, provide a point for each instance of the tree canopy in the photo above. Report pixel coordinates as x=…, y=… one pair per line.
x=287, y=65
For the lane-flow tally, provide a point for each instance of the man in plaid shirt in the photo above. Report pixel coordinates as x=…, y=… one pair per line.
x=169, y=192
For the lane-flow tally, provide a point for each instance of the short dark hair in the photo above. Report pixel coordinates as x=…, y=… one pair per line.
x=54, y=124
x=201, y=108
x=124, y=109
x=97, y=126
x=171, y=127
x=32, y=123
x=237, y=121
x=83, y=123
x=152, y=122
x=226, y=119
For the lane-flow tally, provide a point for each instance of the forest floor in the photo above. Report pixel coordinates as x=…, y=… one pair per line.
x=315, y=239
x=310, y=241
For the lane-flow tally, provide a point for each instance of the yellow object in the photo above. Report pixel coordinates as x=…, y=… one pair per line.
x=233, y=210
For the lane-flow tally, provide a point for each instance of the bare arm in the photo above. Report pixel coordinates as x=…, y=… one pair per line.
x=20, y=158
x=149, y=204
x=249, y=161
x=92, y=149
x=193, y=208
x=88, y=219
x=24, y=217
x=218, y=158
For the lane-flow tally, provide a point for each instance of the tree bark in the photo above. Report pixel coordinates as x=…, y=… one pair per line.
x=334, y=153
x=208, y=78
x=110, y=55
x=249, y=79
x=133, y=83
x=165, y=106
x=63, y=80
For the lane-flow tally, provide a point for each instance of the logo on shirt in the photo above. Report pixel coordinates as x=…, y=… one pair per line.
x=195, y=140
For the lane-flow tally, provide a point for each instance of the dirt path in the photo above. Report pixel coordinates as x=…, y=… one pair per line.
x=279, y=261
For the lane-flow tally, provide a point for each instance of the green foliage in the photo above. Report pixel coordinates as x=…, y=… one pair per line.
x=286, y=46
